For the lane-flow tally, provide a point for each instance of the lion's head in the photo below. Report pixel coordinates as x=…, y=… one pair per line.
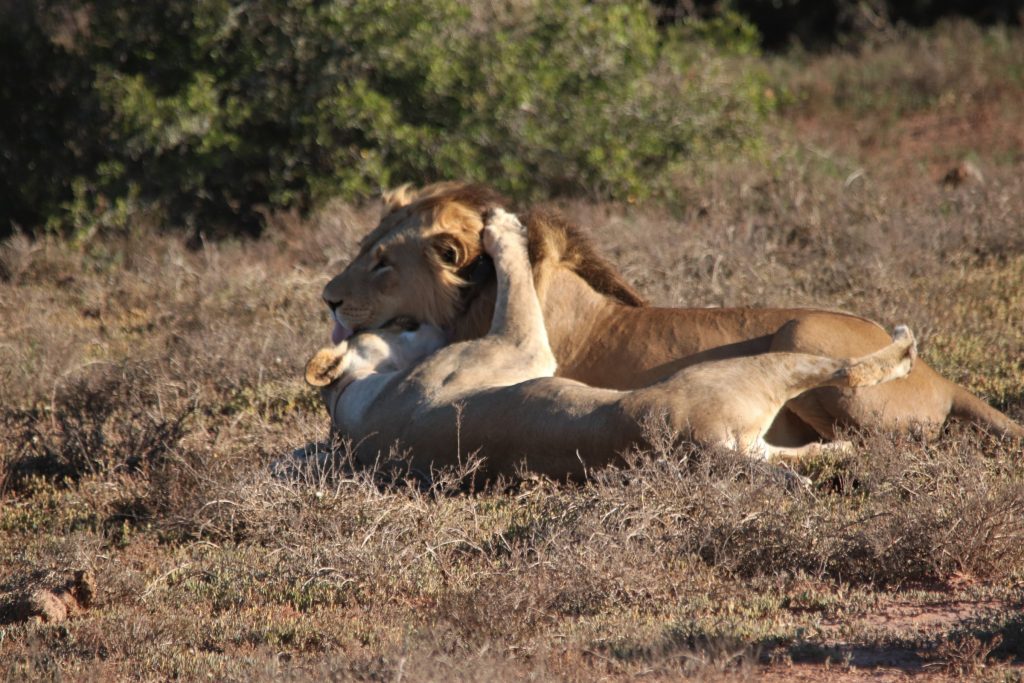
x=423, y=259
x=415, y=262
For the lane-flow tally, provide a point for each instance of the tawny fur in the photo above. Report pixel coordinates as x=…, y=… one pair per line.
x=496, y=395
x=603, y=335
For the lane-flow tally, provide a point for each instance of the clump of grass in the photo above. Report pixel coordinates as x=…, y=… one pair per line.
x=101, y=425
x=907, y=72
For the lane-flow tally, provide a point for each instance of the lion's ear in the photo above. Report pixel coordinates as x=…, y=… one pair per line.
x=450, y=251
x=396, y=198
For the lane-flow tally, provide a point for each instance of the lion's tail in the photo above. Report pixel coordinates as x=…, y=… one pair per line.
x=967, y=406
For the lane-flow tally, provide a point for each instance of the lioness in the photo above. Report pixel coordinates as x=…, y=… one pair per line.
x=423, y=261
x=498, y=393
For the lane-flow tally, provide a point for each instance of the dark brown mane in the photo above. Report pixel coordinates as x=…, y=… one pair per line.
x=550, y=232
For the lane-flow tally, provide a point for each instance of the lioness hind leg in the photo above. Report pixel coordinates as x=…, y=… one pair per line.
x=795, y=373
x=772, y=380
x=922, y=399
x=806, y=373
x=892, y=362
x=795, y=455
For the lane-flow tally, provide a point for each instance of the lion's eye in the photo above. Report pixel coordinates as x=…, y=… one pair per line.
x=449, y=255
x=380, y=265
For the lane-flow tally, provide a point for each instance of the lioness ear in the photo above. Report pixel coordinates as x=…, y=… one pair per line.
x=396, y=198
x=327, y=365
x=450, y=251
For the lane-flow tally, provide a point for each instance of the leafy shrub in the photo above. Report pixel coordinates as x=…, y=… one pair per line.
x=215, y=109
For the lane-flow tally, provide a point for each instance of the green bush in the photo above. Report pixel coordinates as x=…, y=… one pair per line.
x=213, y=110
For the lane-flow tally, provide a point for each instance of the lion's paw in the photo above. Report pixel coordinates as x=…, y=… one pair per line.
x=502, y=230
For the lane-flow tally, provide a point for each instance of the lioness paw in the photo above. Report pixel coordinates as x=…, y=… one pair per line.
x=324, y=367
x=502, y=230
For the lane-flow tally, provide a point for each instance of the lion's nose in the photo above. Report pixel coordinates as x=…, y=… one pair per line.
x=333, y=292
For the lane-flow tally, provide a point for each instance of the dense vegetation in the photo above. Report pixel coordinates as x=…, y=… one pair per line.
x=211, y=111
x=205, y=114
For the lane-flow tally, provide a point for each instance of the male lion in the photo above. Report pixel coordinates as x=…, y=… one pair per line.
x=498, y=393
x=424, y=261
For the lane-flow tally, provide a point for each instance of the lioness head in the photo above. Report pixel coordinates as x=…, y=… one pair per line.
x=417, y=260
x=400, y=344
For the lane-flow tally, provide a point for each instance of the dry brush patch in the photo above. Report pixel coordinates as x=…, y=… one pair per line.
x=148, y=462
x=146, y=392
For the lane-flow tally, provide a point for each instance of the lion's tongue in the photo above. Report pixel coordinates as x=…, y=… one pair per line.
x=340, y=333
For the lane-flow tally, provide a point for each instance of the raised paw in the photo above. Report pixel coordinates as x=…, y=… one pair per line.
x=501, y=231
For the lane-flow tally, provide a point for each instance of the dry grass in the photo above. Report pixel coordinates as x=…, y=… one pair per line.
x=146, y=390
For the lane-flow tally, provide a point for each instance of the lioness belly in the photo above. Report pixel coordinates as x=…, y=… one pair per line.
x=549, y=426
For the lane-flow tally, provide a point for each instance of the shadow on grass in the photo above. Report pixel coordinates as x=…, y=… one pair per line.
x=964, y=651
